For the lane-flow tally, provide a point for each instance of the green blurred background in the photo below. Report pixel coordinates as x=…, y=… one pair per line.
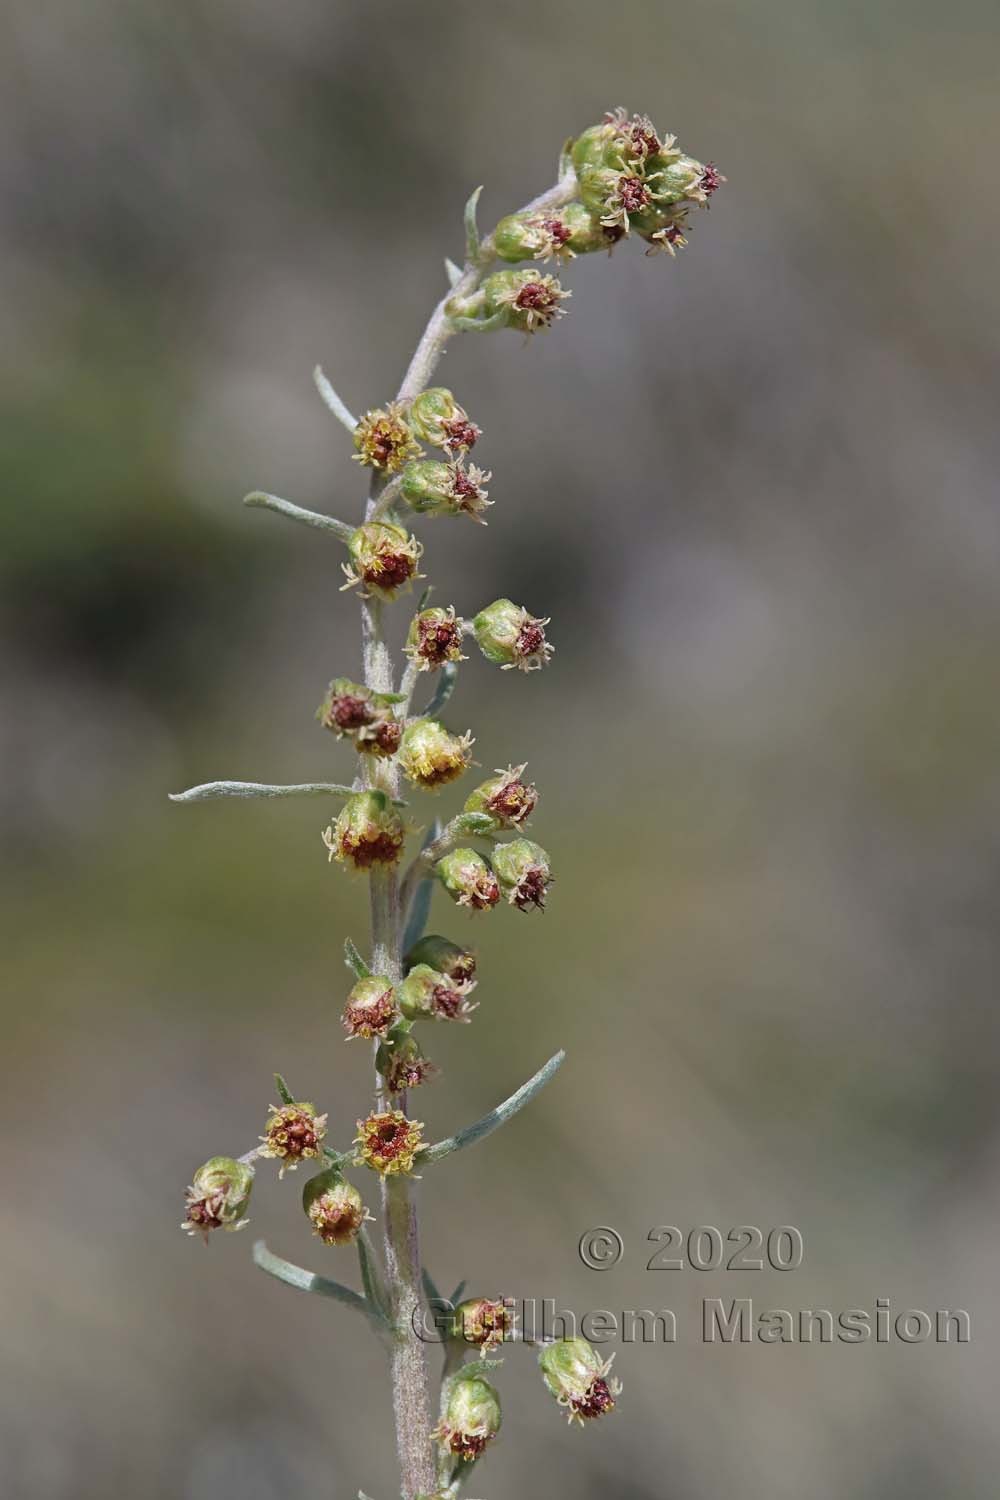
x=755, y=488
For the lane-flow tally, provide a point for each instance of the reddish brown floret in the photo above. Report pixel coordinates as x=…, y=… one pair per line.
x=386, y=736
x=460, y=434
x=557, y=231
x=467, y=1445
x=437, y=640
x=535, y=296
x=484, y=894
x=448, y=1002
x=207, y=1213
x=633, y=194
x=363, y=853
x=531, y=890
x=391, y=571
x=711, y=178
x=597, y=1400
x=531, y=638
x=347, y=712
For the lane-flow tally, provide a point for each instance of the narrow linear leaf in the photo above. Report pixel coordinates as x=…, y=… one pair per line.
x=453, y=272
x=371, y=1277
x=354, y=961
x=332, y=400
x=210, y=789
x=471, y=226
x=443, y=690
x=496, y=1117
x=284, y=1093
x=417, y=894
x=308, y=1281
x=260, y=500
x=456, y=1295
x=430, y=1290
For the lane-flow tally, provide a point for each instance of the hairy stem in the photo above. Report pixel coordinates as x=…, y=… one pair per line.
x=410, y=1386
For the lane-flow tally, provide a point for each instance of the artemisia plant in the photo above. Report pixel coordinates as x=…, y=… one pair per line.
x=619, y=178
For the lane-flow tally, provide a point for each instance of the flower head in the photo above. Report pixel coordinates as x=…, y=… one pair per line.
x=711, y=179
x=430, y=756
x=470, y=1416
x=505, y=797
x=353, y=711
x=437, y=489
x=511, y=637
x=427, y=994
x=436, y=417
x=293, y=1133
x=524, y=299
x=468, y=879
x=533, y=237
x=388, y=1142
x=384, y=558
x=402, y=1063
x=523, y=871
x=218, y=1197
x=440, y=953
x=367, y=832
x=669, y=237
x=576, y=1375
x=434, y=637
x=484, y=1321
x=384, y=440
x=334, y=1207
x=371, y=1007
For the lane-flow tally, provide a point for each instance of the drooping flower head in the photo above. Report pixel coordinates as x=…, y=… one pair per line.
x=578, y=1378
x=384, y=558
x=470, y=1416
x=447, y=957
x=334, y=1207
x=430, y=756
x=218, y=1197
x=434, y=637
x=446, y=489
x=388, y=1142
x=523, y=870
x=526, y=300
x=436, y=417
x=371, y=1008
x=402, y=1063
x=427, y=994
x=509, y=636
x=484, y=1321
x=468, y=879
x=506, y=797
x=293, y=1133
x=368, y=831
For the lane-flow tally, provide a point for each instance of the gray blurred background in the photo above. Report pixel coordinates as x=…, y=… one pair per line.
x=756, y=491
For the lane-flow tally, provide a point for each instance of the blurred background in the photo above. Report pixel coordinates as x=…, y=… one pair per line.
x=756, y=490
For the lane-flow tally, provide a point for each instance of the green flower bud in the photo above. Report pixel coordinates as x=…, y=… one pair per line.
x=470, y=1415
x=402, y=1063
x=507, y=635
x=427, y=994
x=505, y=797
x=371, y=1007
x=436, y=416
x=334, y=1207
x=524, y=299
x=440, y=489
x=594, y=145
x=431, y=756
x=383, y=558
x=434, y=637
x=522, y=869
x=576, y=1375
x=218, y=1197
x=293, y=1133
x=483, y=1321
x=585, y=232
x=616, y=199
x=671, y=179
x=383, y=439
x=368, y=831
x=440, y=953
x=468, y=879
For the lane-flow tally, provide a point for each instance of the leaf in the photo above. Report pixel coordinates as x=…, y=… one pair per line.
x=211, y=789
x=496, y=1117
x=329, y=396
x=353, y=960
x=430, y=1290
x=471, y=227
x=260, y=499
x=453, y=272
x=443, y=690
x=456, y=1295
x=419, y=906
x=284, y=1093
x=371, y=1277
x=322, y=1286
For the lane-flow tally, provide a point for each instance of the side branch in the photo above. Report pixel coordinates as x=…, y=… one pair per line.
x=322, y=1286
x=260, y=500
x=210, y=789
